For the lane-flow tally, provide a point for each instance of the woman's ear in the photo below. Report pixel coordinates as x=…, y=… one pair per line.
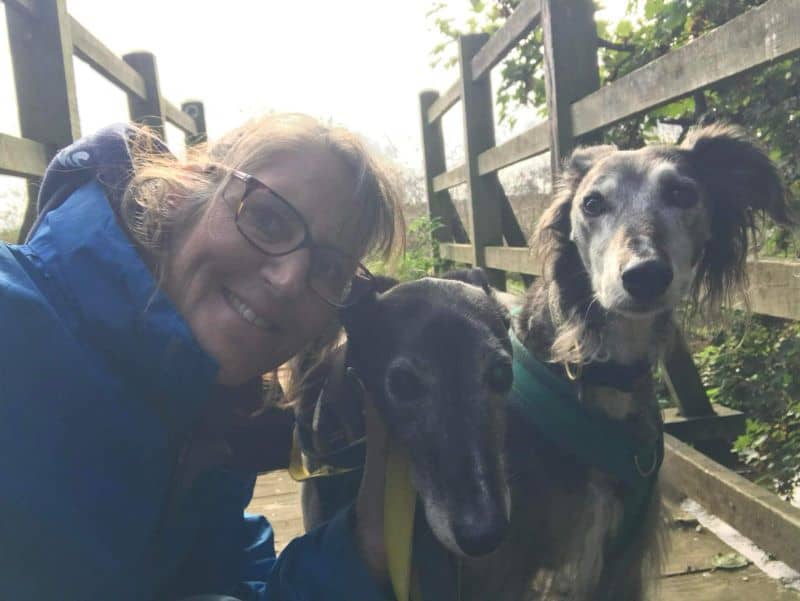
x=739, y=182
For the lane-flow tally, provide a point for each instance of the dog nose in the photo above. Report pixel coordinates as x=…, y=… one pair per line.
x=476, y=538
x=647, y=280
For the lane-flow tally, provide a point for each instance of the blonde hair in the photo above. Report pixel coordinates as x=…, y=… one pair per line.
x=167, y=197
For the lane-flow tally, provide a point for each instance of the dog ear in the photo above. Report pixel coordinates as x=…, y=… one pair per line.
x=474, y=275
x=740, y=183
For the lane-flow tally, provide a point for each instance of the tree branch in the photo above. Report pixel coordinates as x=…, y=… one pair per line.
x=621, y=47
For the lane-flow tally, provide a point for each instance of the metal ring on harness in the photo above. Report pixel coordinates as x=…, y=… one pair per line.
x=649, y=472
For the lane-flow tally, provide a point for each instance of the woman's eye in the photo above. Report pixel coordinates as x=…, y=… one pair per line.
x=593, y=204
x=270, y=224
x=683, y=197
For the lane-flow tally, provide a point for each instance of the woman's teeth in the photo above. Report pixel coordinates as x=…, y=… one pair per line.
x=246, y=312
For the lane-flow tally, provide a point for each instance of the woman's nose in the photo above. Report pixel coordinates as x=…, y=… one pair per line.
x=287, y=276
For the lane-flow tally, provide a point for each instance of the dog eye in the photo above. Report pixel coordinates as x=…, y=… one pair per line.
x=499, y=377
x=683, y=197
x=404, y=384
x=593, y=204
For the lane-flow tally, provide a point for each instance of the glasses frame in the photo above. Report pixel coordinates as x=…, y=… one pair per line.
x=362, y=274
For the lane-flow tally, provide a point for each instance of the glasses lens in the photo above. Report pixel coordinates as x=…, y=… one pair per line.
x=270, y=223
x=332, y=277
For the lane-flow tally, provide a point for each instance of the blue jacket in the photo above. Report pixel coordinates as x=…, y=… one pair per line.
x=101, y=382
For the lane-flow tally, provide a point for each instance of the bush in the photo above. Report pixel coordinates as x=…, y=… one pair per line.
x=753, y=365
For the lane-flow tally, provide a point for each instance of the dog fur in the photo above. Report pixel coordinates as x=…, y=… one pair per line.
x=629, y=235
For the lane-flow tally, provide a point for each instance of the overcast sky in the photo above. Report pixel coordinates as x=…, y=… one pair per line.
x=360, y=63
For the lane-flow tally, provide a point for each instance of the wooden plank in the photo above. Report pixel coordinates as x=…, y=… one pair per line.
x=41, y=56
x=522, y=146
x=770, y=522
x=149, y=110
x=485, y=216
x=444, y=103
x=723, y=423
x=760, y=35
x=524, y=19
x=460, y=253
x=29, y=6
x=22, y=157
x=91, y=50
x=180, y=119
x=683, y=380
x=440, y=204
x=748, y=584
x=450, y=179
x=774, y=288
x=570, y=57
x=517, y=259
x=197, y=111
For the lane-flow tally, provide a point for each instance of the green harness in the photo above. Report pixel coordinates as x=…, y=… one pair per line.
x=591, y=437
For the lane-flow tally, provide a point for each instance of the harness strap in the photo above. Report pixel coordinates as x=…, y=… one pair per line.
x=591, y=437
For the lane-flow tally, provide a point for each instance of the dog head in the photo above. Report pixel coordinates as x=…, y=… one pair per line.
x=653, y=225
x=436, y=358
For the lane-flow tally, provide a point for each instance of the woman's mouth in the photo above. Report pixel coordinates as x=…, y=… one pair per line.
x=246, y=312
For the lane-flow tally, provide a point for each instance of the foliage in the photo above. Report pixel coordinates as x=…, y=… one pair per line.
x=418, y=259
x=753, y=365
x=766, y=101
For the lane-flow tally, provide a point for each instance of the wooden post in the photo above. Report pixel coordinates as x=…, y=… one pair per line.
x=684, y=382
x=440, y=205
x=485, y=208
x=148, y=111
x=196, y=110
x=570, y=56
x=41, y=55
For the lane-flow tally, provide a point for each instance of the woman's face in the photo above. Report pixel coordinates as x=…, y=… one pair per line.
x=250, y=311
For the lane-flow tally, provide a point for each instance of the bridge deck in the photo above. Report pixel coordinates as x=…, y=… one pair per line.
x=277, y=497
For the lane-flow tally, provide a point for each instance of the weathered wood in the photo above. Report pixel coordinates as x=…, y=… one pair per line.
x=41, y=55
x=520, y=259
x=760, y=35
x=522, y=146
x=440, y=205
x=774, y=288
x=524, y=19
x=485, y=217
x=683, y=380
x=723, y=423
x=91, y=50
x=179, y=119
x=460, y=253
x=149, y=111
x=570, y=56
x=767, y=520
x=450, y=179
x=22, y=157
x=29, y=6
x=197, y=112
x=444, y=103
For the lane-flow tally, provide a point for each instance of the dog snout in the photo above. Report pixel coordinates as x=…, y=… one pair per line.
x=647, y=280
x=481, y=534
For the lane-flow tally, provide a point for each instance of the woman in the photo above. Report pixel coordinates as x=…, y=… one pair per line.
x=149, y=299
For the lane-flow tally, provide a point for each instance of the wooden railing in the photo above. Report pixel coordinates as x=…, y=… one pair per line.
x=43, y=39
x=578, y=108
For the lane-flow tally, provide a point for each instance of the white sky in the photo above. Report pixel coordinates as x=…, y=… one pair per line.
x=361, y=63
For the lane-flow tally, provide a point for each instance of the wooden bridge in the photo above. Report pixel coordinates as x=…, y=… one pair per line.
x=44, y=39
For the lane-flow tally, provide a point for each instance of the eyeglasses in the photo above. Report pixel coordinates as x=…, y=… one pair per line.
x=271, y=224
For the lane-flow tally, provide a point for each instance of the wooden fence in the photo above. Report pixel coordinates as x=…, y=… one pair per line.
x=579, y=108
x=43, y=39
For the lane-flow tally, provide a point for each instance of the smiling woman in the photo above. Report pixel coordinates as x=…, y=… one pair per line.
x=156, y=293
